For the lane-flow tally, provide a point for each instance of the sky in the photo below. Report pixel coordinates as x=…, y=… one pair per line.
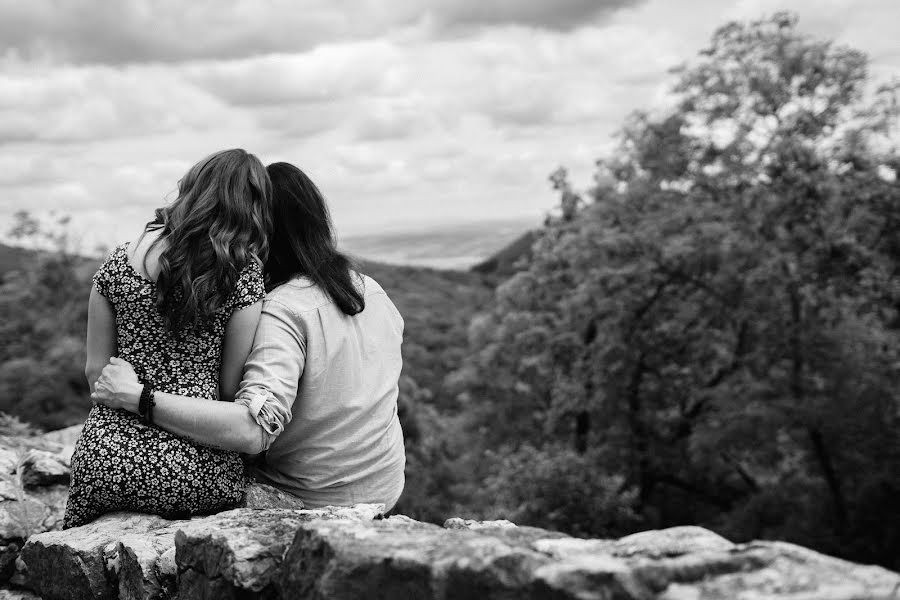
x=407, y=114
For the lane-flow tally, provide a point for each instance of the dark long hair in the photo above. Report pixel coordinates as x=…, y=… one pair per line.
x=219, y=223
x=302, y=241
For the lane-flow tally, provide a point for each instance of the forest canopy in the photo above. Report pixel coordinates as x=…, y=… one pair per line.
x=710, y=334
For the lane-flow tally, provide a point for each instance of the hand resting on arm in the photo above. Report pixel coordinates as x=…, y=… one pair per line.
x=223, y=425
x=263, y=402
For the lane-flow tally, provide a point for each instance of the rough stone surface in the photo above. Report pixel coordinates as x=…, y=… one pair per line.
x=65, y=438
x=17, y=595
x=260, y=495
x=347, y=553
x=43, y=468
x=34, y=476
x=272, y=548
x=505, y=530
x=133, y=556
x=81, y=562
x=388, y=560
x=458, y=523
x=243, y=553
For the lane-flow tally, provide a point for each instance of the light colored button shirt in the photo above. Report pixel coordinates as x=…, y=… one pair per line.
x=323, y=385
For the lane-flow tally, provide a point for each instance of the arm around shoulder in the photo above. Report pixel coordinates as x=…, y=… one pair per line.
x=273, y=370
x=239, y=334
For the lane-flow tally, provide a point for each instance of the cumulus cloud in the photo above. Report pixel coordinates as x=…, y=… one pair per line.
x=515, y=77
x=97, y=31
x=405, y=111
x=560, y=14
x=327, y=72
x=64, y=104
x=300, y=121
x=19, y=171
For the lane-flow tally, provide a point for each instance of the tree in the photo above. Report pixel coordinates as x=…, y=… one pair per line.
x=43, y=311
x=719, y=326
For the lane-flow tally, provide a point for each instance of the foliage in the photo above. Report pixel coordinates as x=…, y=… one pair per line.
x=43, y=312
x=718, y=326
x=560, y=488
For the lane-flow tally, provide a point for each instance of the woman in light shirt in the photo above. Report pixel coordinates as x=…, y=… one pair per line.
x=321, y=381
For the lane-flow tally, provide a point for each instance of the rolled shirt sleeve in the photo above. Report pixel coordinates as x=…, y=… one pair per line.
x=273, y=369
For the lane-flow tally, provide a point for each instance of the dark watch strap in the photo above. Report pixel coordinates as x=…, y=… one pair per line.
x=146, y=403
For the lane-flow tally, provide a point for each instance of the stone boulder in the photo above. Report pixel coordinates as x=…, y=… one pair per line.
x=34, y=478
x=35, y=471
x=271, y=547
x=349, y=553
x=128, y=555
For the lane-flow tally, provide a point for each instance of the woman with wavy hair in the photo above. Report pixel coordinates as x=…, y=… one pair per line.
x=320, y=385
x=181, y=304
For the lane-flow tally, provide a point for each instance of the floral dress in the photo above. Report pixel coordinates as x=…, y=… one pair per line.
x=120, y=462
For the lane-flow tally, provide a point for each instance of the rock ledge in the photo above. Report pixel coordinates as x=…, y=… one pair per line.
x=273, y=548
x=350, y=553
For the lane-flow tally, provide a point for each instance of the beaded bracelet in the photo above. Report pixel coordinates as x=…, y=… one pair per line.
x=146, y=404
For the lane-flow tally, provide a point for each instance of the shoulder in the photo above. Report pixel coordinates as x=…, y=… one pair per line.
x=115, y=260
x=111, y=268
x=252, y=271
x=118, y=253
x=375, y=294
x=299, y=295
x=370, y=287
x=250, y=286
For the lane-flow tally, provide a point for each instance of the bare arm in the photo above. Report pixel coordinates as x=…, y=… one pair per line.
x=236, y=348
x=266, y=393
x=223, y=425
x=101, y=336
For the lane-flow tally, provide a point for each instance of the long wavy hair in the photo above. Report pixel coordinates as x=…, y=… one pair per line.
x=219, y=222
x=302, y=241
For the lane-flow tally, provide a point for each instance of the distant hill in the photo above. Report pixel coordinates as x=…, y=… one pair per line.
x=449, y=246
x=12, y=258
x=502, y=263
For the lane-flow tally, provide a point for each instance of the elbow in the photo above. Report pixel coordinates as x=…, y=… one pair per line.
x=252, y=439
x=92, y=373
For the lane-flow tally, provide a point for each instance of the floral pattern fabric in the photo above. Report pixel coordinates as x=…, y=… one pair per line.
x=120, y=462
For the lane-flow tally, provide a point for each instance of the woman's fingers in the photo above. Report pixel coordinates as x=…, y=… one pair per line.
x=103, y=389
x=110, y=369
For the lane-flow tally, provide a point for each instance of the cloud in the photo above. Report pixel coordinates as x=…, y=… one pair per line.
x=97, y=31
x=327, y=72
x=19, y=171
x=515, y=77
x=396, y=118
x=300, y=121
x=406, y=111
x=558, y=15
x=65, y=104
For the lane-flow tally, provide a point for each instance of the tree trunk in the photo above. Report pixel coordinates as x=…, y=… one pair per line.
x=831, y=479
x=820, y=451
x=582, y=428
x=640, y=445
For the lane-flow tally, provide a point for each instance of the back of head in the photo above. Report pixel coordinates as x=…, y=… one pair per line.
x=302, y=242
x=219, y=223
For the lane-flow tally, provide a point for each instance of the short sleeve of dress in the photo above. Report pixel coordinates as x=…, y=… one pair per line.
x=250, y=287
x=107, y=274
